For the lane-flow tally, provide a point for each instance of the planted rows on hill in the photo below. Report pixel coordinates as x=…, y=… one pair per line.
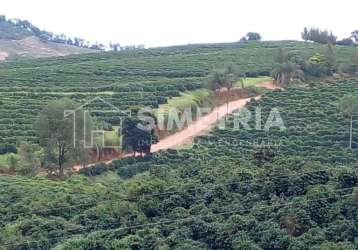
x=129, y=79
x=315, y=130
x=19, y=110
x=212, y=196
x=315, y=126
x=172, y=62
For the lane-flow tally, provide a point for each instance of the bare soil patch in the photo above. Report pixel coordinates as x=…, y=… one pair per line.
x=3, y=55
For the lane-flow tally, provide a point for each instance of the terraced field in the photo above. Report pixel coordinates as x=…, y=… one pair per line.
x=215, y=195
x=127, y=79
x=19, y=109
x=315, y=131
x=315, y=127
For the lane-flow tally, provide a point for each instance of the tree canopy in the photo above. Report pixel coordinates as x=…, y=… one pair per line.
x=318, y=36
x=251, y=36
x=138, y=136
x=349, y=107
x=62, y=130
x=284, y=69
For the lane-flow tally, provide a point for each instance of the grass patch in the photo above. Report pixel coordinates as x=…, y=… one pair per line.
x=3, y=160
x=185, y=100
x=253, y=81
x=4, y=168
x=111, y=137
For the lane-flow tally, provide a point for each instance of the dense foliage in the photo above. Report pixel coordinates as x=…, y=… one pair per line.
x=251, y=36
x=228, y=191
x=318, y=36
x=125, y=79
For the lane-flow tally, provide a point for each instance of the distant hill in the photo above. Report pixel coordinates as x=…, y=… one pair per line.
x=20, y=39
x=33, y=47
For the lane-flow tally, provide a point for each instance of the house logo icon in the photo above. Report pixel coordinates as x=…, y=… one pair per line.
x=100, y=109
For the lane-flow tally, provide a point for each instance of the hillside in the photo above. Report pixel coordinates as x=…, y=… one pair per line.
x=127, y=79
x=27, y=41
x=33, y=47
x=219, y=194
x=288, y=189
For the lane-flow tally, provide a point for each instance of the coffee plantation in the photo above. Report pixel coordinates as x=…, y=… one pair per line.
x=128, y=80
x=231, y=190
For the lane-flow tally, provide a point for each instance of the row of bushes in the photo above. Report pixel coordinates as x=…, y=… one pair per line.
x=7, y=148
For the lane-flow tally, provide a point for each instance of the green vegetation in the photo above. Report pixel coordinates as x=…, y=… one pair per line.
x=33, y=47
x=134, y=79
x=234, y=189
x=251, y=36
x=31, y=157
x=327, y=37
x=349, y=106
x=138, y=139
x=352, y=66
x=188, y=100
x=280, y=173
x=253, y=81
x=9, y=30
x=21, y=39
x=3, y=160
x=9, y=163
x=318, y=36
x=263, y=188
x=225, y=78
x=63, y=130
x=290, y=66
x=17, y=29
x=185, y=100
x=285, y=70
x=321, y=65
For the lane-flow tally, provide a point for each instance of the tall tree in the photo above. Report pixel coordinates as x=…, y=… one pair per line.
x=346, y=42
x=331, y=60
x=354, y=36
x=305, y=35
x=242, y=80
x=31, y=158
x=99, y=140
x=115, y=47
x=284, y=70
x=225, y=78
x=136, y=139
x=61, y=134
x=318, y=36
x=253, y=36
x=13, y=161
x=349, y=107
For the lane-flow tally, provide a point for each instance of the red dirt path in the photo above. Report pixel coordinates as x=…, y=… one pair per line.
x=199, y=127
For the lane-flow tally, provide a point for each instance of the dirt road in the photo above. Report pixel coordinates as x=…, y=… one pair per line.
x=205, y=123
x=201, y=126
